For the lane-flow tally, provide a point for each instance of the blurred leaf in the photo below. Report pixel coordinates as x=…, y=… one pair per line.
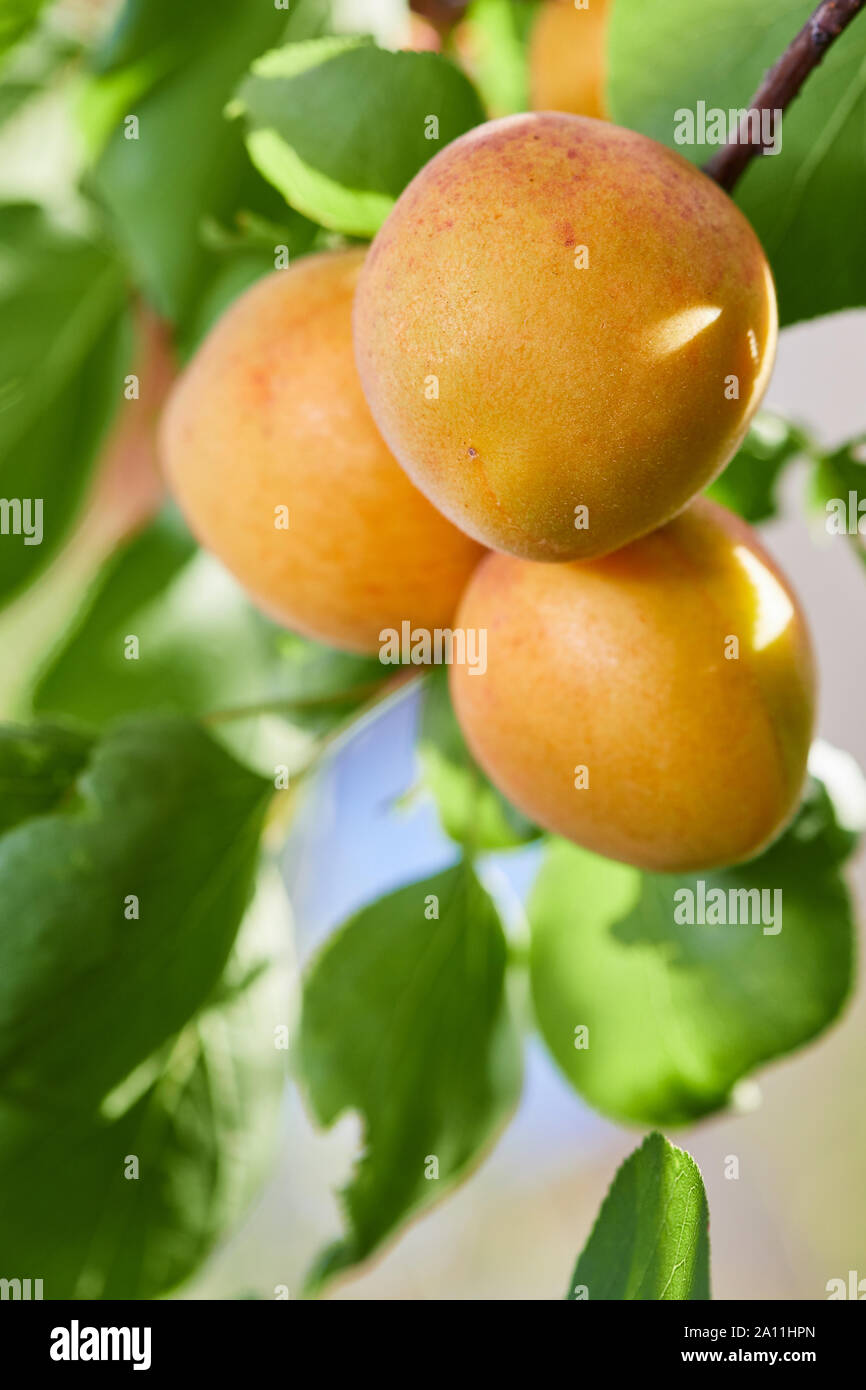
x=678, y=1013
x=188, y=614
x=14, y=93
x=322, y=685
x=470, y=808
x=316, y=112
x=145, y=29
x=202, y=1123
x=838, y=488
x=650, y=1240
x=28, y=70
x=250, y=233
x=808, y=203
x=748, y=484
x=16, y=17
x=153, y=39
x=159, y=811
x=65, y=346
x=37, y=769
x=174, y=67
x=404, y=1019
x=240, y=254
x=492, y=41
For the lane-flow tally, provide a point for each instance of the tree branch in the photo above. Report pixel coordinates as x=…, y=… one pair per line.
x=782, y=83
x=442, y=14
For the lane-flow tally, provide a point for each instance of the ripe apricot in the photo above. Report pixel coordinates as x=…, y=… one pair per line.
x=563, y=330
x=567, y=58
x=270, y=415
x=656, y=705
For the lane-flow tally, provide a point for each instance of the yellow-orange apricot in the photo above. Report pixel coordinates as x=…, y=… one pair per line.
x=567, y=58
x=656, y=705
x=563, y=330
x=269, y=426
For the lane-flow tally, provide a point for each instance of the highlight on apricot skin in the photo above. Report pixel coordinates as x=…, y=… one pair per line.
x=269, y=425
x=567, y=67
x=655, y=706
x=563, y=330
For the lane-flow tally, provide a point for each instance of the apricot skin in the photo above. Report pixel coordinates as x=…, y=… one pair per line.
x=618, y=665
x=567, y=58
x=561, y=387
x=270, y=414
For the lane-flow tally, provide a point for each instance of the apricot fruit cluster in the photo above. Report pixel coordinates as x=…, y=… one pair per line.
x=561, y=334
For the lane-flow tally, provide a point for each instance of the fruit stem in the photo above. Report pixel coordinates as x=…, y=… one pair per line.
x=781, y=85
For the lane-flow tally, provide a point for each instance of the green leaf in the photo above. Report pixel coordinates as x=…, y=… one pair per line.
x=404, y=1019
x=37, y=768
x=677, y=1013
x=16, y=17
x=323, y=686
x=201, y=1121
x=838, y=489
x=650, y=1240
x=158, y=812
x=174, y=67
x=187, y=613
x=750, y=481
x=35, y=63
x=63, y=353
x=315, y=115
x=14, y=93
x=470, y=808
x=807, y=203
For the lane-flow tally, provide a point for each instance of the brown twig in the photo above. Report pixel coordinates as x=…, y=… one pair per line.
x=782, y=83
x=442, y=14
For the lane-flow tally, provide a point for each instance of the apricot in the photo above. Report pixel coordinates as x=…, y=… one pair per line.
x=654, y=706
x=269, y=424
x=567, y=58
x=563, y=330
